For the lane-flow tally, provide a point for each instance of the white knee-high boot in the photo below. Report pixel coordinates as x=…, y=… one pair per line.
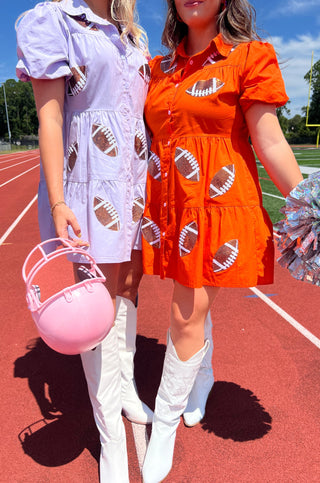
x=176, y=383
x=126, y=325
x=102, y=370
x=197, y=401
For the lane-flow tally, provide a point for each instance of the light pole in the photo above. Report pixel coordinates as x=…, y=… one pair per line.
x=5, y=103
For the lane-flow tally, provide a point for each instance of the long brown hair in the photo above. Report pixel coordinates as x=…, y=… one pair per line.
x=236, y=23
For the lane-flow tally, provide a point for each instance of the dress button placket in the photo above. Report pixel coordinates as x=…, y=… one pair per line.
x=127, y=133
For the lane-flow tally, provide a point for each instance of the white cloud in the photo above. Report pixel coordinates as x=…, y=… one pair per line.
x=293, y=7
x=295, y=61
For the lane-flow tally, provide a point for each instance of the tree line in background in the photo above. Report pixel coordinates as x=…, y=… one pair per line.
x=24, y=122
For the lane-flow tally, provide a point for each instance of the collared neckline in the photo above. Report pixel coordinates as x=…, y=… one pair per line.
x=216, y=44
x=80, y=7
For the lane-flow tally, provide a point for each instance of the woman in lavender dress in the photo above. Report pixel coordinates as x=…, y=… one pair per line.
x=89, y=72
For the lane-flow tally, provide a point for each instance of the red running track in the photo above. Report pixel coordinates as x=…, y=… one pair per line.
x=262, y=419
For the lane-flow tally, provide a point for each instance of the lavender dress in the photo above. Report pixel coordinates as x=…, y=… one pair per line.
x=105, y=143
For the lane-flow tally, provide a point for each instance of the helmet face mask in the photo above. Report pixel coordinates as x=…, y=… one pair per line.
x=70, y=317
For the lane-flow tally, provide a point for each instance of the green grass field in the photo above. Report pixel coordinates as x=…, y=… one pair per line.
x=305, y=158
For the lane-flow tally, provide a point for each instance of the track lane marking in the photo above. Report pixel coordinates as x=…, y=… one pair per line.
x=21, y=174
x=141, y=440
x=274, y=196
x=13, y=157
x=21, y=162
x=16, y=221
x=300, y=328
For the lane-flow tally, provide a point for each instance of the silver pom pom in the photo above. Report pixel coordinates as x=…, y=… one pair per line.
x=299, y=233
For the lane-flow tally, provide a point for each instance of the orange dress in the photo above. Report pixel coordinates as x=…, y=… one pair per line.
x=204, y=223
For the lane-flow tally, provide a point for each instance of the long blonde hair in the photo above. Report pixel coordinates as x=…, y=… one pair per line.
x=124, y=13
x=236, y=23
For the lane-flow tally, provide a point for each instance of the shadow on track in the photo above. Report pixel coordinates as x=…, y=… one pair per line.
x=58, y=385
x=232, y=412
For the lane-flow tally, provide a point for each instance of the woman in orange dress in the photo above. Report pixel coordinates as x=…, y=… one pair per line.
x=204, y=224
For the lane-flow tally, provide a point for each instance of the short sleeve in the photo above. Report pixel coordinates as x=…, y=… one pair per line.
x=42, y=44
x=261, y=79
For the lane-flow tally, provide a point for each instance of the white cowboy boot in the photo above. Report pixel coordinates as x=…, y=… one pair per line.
x=126, y=326
x=197, y=401
x=176, y=383
x=102, y=370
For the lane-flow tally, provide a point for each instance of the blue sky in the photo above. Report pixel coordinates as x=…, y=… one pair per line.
x=293, y=26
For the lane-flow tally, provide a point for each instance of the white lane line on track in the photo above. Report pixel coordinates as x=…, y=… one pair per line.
x=274, y=196
x=305, y=332
x=12, y=157
x=16, y=221
x=21, y=162
x=141, y=441
x=21, y=174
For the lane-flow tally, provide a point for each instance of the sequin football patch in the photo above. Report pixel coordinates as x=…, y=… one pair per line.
x=186, y=164
x=188, y=238
x=222, y=181
x=77, y=82
x=150, y=232
x=104, y=139
x=106, y=214
x=225, y=256
x=205, y=88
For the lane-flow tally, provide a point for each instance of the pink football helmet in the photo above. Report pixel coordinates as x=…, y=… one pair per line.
x=75, y=317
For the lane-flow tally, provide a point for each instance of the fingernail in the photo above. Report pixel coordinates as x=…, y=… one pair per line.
x=79, y=235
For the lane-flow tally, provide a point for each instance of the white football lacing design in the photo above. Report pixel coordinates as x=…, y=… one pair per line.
x=193, y=162
x=110, y=138
x=217, y=84
x=183, y=250
x=226, y=186
x=166, y=66
x=230, y=260
x=155, y=229
x=77, y=88
x=211, y=59
x=143, y=140
x=71, y=149
x=110, y=209
x=153, y=157
x=136, y=202
x=90, y=26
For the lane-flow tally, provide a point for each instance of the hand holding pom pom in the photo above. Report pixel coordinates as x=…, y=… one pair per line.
x=299, y=233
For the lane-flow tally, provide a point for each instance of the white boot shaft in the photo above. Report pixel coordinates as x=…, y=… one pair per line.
x=126, y=326
x=176, y=383
x=102, y=370
x=198, y=397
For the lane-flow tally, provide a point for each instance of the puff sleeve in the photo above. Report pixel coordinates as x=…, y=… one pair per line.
x=42, y=44
x=261, y=79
